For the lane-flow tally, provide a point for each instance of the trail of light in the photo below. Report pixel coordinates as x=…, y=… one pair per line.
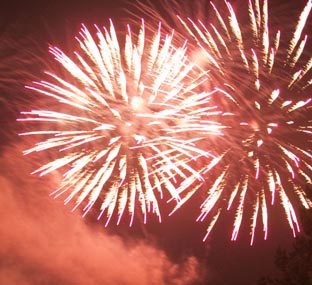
x=239, y=211
x=254, y=219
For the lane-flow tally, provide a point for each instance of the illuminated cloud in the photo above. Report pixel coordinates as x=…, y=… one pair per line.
x=43, y=242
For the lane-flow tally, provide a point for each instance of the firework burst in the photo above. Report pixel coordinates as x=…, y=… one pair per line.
x=264, y=92
x=124, y=134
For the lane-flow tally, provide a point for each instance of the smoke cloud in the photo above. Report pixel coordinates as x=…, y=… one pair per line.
x=43, y=242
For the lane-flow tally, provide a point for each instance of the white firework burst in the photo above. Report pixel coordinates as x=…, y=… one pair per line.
x=129, y=121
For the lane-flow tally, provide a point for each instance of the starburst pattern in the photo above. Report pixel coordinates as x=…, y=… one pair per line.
x=128, y=121
x=265, y=153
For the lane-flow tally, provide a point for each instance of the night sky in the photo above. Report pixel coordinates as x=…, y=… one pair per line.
x=43, y=242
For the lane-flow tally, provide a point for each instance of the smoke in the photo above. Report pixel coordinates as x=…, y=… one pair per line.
x=43, y=242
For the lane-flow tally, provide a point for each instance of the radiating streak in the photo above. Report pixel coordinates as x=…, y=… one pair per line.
x=213, y=195
x=290, y=212
x=233, y=195
x=239, y=211
x=254, y=219
x=264, y=212
x=211, y=225
x=300, y=25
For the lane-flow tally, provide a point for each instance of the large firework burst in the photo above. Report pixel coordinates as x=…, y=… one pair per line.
x=265, y=153
x=121, y=121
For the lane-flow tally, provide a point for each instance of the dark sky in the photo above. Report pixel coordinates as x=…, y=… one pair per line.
x=48, y=253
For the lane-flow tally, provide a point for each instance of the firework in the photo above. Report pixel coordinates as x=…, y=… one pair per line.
x=121, y=122
x=265, y=153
